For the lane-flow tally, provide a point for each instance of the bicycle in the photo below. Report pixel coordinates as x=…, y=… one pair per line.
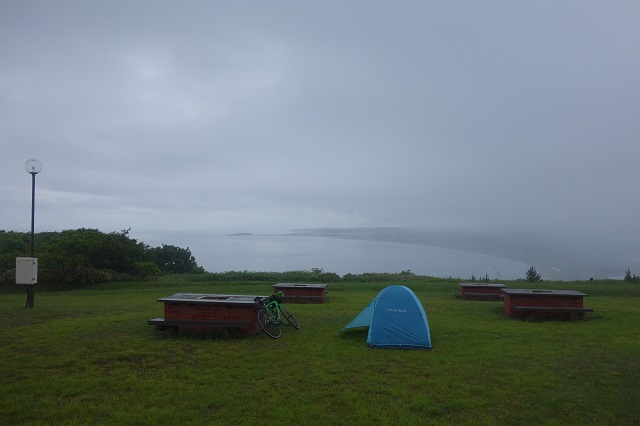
x=272, y=315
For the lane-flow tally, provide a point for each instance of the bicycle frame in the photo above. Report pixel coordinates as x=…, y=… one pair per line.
x=273, y=308
x=272, y=315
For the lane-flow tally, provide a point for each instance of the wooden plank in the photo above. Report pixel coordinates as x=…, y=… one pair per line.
x=163, y=322
x=550, y=309
x=299, y=298
x=466, y=293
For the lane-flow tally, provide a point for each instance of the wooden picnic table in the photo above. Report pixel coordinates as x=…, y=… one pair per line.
x=544, y=304
x=232, y=314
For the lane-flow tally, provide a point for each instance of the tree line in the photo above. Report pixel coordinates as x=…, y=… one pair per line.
x=90, y=256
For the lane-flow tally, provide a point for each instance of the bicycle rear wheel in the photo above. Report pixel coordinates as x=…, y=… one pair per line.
x=288, y=317
x=269, y=324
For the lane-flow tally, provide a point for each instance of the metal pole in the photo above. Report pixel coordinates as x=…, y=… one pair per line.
x=33, y=210
x=30, y=290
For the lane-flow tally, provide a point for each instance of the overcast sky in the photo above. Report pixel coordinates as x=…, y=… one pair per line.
x=265, y=116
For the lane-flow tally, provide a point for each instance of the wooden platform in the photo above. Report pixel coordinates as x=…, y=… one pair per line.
x=302, y=293
x=226, y=313
x=544, y=304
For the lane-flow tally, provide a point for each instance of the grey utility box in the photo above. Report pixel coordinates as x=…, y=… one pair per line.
x=26, y=270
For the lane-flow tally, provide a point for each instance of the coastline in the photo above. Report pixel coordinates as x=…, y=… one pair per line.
x=554, y=260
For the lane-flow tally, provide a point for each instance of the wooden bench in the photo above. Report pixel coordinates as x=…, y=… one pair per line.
x=173, y=324
x=531, y=311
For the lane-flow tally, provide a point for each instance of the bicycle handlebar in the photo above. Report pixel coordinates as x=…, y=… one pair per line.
x=264, y=300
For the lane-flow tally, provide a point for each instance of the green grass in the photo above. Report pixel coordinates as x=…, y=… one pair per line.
x=89, y=357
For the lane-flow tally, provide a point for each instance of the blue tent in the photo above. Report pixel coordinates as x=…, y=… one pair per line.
x=396, y=319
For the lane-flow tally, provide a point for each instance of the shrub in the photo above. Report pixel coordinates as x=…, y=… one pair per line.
x=631, y=278
x=533, y=275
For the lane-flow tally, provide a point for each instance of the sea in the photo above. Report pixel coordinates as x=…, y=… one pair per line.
x=279, y=253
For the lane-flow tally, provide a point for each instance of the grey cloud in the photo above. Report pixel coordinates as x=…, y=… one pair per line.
x=278, y=115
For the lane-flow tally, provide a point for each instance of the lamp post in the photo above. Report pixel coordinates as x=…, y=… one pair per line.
x=33, y=167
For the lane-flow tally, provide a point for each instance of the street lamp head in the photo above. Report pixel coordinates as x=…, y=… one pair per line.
x=33, y=166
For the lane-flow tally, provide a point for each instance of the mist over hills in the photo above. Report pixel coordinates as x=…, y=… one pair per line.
x=559, y=258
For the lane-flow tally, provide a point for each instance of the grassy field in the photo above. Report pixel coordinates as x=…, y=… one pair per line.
x=89, y=357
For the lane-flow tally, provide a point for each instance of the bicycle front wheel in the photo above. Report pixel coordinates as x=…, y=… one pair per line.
x=269, y=324
x=288, y=317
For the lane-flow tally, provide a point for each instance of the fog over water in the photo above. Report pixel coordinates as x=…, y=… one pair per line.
x=359, y=250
